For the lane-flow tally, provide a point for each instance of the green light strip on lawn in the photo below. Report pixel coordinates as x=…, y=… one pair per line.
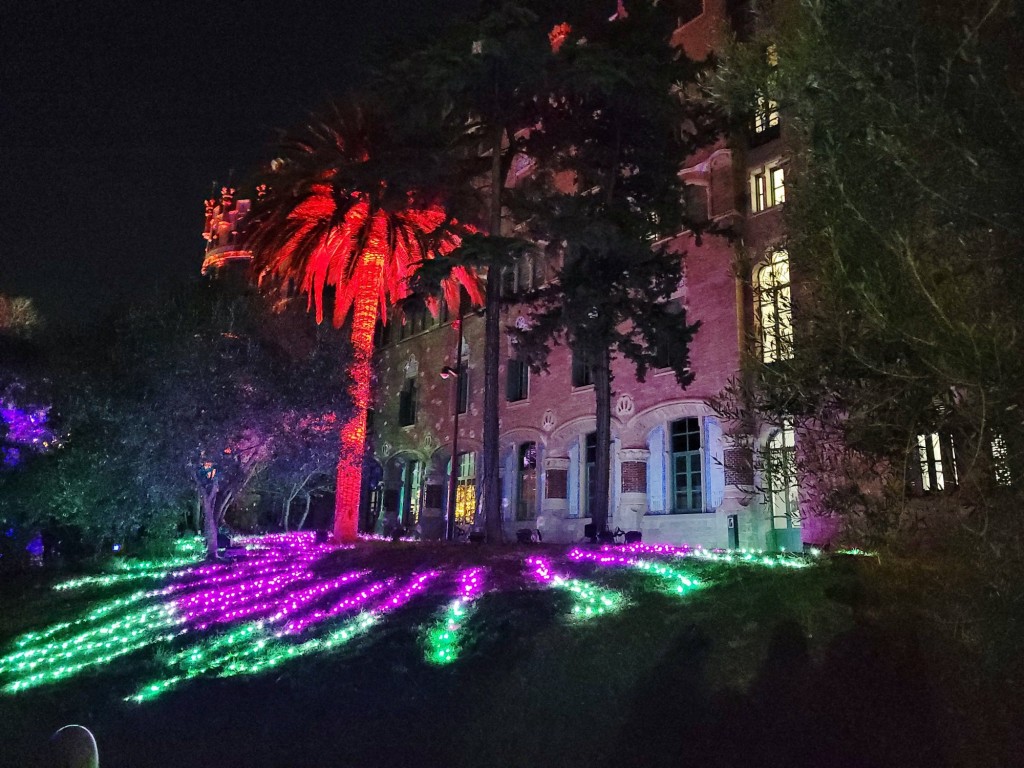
x=681, y=582
x=443, y=639
x=57, y=660
x=590, y=600
x=250, y=650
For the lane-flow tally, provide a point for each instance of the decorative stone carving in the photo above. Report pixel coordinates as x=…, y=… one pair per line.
x=412, y=367
x=634, y=454
x=385, y=449
x=547, y=422
x=624, y=406
x=634, y=470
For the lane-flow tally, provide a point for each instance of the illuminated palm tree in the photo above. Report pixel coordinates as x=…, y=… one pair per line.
x=347, y=212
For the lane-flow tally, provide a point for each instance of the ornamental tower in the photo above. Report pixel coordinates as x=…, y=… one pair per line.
x=224, y=232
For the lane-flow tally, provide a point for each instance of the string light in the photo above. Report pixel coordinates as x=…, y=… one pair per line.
x=444, y=638
x=589, y=600
x=274, y=605
x=682, y=582
x=747, y=556
x=299, y=625
x=254, y=648
x=70, y=647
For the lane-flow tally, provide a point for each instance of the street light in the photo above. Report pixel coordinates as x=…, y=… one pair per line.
x=453, y=475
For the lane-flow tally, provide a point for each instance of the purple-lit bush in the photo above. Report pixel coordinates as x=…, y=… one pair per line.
x=24, y=428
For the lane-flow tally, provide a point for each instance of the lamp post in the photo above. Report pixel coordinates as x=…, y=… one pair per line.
x=453, y=474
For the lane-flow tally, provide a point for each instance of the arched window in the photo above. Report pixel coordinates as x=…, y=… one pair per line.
x=465, y=489
x=526, y=482
x=775, y=308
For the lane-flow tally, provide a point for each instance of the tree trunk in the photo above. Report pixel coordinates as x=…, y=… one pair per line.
x=490, y=485
x=196, y=523
x=208, y=501
x=305, y=514
x=602, y=465
x=286, y=510
x=360, y=369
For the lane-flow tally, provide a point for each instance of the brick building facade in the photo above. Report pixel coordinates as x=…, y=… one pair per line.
x=679, y=474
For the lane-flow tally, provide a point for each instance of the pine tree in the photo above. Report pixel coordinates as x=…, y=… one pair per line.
x=480, y=85
x=614, y=125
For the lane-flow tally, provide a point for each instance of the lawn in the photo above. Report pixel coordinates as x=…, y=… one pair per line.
x=411, y=654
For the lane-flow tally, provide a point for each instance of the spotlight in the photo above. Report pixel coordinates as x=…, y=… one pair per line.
x=448, y=372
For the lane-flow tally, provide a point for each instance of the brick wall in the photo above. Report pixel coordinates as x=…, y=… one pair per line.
x=557, y=484
x=739, y=466
x=634, y=477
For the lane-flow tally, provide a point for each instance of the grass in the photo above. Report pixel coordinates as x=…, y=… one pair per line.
x=759, y=666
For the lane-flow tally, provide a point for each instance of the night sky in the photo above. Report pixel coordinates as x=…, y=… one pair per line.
x=115, y=117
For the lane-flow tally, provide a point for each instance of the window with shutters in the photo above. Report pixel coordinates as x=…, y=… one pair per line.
x=686, y=466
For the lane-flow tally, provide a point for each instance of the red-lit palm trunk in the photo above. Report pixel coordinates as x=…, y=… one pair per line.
x=370, y=275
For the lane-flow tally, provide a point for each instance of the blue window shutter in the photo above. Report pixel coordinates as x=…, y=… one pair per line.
x=656, y=470
x=714, y=463
x=616, y=483
x=573, y=479
x=508, y=483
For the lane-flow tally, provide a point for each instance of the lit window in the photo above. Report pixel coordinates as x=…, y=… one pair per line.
x=774, y=308
x=685, y=467
x=781, y=491
x=767, y=188
x=517, y=382
x=766, y=114
x=465, y=490
x=937, y=460
x=766, y=109
x=1000, y=462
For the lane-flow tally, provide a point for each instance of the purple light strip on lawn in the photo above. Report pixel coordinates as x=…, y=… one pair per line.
x=603, y=558
x=245, y=590
x=291, y=603
x=225, y=574
x=542, y=570
x=217, y=603
x=471, y=584
x=301, y=624
x=416, y=584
